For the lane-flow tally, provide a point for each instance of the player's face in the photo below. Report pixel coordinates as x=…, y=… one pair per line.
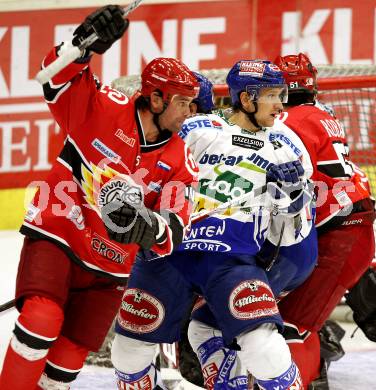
x=269, y=105
x=177, y=111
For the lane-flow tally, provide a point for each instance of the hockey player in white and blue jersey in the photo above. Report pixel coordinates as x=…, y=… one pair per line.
x=220, y=256
x=222, y=367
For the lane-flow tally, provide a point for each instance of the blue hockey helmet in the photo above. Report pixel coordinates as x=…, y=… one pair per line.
x=252, y=76
x=205, y=98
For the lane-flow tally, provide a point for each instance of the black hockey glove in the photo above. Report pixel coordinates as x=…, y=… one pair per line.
x=361, y=299
x=331, y=335
x=107, y=22
x=126, y=224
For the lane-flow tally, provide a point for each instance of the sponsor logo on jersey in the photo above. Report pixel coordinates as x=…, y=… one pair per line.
x=199, y=124
x=154, y=187
x=286, y=140
x=274, y=67
x=76, y=216
x=252, y=299
x=226, y=186
x=251, y=68
x=108, y=250
x=208, y=231
x=352, y=222
x=206, y=245
x=201, y=238
x=140, y=312
x=122, y=136
x=214, y=159
x=246, y=142
x=343, y=198
x=31, y=212
x=105, y=150
x=163, y=166
x=216, y=124
x=120, y=191
x=283, y=116
x=190, y=163
x=276, y=144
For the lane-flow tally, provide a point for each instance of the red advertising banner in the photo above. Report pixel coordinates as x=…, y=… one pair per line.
x=204, y=35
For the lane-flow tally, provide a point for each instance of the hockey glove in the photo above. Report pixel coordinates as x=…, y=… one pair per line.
x=361, y=299
x=331, y=335
x=126, y=224
x=107, y=22
x=289, y=172
x=289, y=199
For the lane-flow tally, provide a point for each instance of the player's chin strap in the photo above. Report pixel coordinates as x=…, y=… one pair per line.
x=251, y=115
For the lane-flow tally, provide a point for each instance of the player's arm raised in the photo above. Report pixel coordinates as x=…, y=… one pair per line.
x=69, y=92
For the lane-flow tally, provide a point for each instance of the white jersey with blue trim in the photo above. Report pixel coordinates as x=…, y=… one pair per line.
x=232, y=162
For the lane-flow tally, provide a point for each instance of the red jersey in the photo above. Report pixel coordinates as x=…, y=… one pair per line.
x=339, y=181
x=105, y=157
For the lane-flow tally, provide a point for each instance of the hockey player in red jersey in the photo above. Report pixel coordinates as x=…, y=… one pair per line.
x=118, y=151
x=344, y=217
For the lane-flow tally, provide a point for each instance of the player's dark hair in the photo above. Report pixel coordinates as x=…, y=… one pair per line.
x=143, y=102
x=236, y=106
x=297, y=98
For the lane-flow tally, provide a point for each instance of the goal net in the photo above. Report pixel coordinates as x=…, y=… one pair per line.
x=351, y=92
x=349, y=89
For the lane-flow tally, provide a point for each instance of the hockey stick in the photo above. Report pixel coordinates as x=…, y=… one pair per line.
x=282, y=202
x=46, y=74
x=7, y=305
x=201, y=215
x=196, y=217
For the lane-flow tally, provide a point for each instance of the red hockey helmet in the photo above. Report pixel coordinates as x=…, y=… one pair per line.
x=299, y=73
x=170, y=76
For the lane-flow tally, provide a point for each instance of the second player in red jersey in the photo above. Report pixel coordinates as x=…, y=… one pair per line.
x=345, y=214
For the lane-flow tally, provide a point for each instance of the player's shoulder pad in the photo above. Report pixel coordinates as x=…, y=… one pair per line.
x=201, y=122
x=283, y=135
